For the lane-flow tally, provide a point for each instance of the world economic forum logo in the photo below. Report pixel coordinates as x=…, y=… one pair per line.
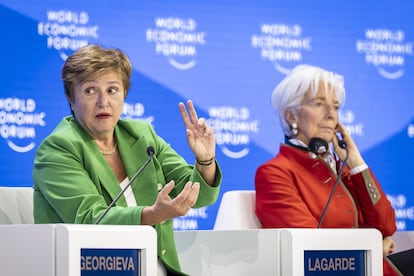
x=177, y=39
x=136, y=111
x=18, y=122
x=233, y=126
x=404, y=212
x=281, y=44
x=67, y=30
x=385, y=49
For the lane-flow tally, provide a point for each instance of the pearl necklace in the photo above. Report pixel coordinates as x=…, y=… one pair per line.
x=109, y=152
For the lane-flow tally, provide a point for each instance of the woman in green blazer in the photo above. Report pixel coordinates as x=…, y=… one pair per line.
x=90, y=157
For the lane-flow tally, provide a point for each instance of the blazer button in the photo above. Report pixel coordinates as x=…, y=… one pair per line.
x=159, y=187
x=163, y=252
x=327, y=180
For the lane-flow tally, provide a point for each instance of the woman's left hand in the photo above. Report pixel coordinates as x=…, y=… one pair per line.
x=355, y=159
x=388, y=246
x=200, y=136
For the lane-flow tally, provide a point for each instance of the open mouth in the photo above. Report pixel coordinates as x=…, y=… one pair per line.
x=103, y=115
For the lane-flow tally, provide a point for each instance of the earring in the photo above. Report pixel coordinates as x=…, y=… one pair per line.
x=294, y=128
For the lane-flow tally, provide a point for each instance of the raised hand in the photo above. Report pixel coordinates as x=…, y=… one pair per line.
x=200, y=136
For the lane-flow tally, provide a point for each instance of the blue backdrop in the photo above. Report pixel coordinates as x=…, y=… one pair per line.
x=227, y=56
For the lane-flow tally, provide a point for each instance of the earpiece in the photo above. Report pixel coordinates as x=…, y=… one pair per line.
x=341, y=141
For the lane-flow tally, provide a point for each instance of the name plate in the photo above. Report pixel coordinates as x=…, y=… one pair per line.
x=335, y=262
x=105, y=261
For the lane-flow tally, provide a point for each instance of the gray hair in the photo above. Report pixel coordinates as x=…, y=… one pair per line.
x=290, y=92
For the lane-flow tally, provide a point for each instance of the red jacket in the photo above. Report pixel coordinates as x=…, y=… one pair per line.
x=292, y=190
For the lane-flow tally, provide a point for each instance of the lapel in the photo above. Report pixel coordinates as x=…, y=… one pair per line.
x=99, y=170
x=132, y=148
x=104, y=178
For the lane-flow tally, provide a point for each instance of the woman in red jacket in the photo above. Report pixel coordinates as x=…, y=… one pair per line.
x=293, y=188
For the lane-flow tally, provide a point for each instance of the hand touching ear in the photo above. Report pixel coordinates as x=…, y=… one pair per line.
x=354, y=158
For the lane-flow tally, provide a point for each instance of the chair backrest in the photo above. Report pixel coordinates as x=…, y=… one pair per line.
x=237, y=211
x=16, y=205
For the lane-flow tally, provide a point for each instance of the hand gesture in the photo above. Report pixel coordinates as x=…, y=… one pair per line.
x=166, y=208
x=355, y=158
x=200, y=136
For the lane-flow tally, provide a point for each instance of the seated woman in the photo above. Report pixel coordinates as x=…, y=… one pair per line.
x=293, y=188
x=84, y=164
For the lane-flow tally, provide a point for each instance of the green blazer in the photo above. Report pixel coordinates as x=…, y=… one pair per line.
x=73, y=183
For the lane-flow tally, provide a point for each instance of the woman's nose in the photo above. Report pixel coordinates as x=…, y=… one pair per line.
x=102, y=99
x=331, y=110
